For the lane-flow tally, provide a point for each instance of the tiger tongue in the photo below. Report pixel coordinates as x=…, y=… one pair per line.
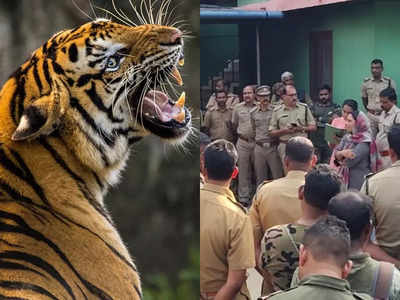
x=156, y=104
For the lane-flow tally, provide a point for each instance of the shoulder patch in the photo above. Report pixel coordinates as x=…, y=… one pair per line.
x=262, y=184
x=253, y=109
x=302, y=104
x=278, y=107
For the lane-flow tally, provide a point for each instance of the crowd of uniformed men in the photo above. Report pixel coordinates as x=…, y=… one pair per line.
x=306, y=214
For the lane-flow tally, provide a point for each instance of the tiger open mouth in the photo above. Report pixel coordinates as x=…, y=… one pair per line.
x=161, y=115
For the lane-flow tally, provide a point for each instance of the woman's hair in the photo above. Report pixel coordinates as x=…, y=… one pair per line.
x=354, y=106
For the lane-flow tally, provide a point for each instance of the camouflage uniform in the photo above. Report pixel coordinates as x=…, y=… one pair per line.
x=323, y=114
x=280, y=255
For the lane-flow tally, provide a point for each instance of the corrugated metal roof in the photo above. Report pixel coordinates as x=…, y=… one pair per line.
x=286, y=5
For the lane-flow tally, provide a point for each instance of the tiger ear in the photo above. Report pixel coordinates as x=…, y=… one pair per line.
x=43, y=115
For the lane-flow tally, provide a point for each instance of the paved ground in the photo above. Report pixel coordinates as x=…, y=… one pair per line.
x=254, y=283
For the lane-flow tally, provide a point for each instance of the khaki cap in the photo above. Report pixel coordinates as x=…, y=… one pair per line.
x=263, y=90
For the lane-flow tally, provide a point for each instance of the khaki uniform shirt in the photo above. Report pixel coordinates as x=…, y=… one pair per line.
x=241, y=119
x=319, y=287
x=275, y=101
x=371, y=88
x=280, y=254
x=382, y=188
x=362, y=276
x=283, y=116
x=276, y=203
x=230, y=102
x=386, y=120
x=226, y=239
x=260, y=123
x=218, y=123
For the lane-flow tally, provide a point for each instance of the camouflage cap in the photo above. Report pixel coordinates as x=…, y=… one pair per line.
x=263, y=90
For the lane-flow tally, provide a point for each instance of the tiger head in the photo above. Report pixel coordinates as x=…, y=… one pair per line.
x=100, y=87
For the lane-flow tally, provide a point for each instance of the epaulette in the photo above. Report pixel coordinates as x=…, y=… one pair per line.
x=262, y=184
x=241, y=206
x=253, y=109
x=367, y=78
x=301, y=103
x=386, y=78
x=278, y=107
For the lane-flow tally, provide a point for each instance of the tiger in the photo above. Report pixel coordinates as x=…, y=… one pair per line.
x=69, y=116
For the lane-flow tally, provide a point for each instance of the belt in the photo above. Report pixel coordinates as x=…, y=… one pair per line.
x=261, y=144
x=375, y=112
x=207, y=295
x=384, y=153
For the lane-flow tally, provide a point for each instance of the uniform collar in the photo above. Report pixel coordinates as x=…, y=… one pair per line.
x=379, y=79
x=296, y=174
x=222, y=110
x=220, y=190
x=326, y=281
x=391, y=111
x=290, y=108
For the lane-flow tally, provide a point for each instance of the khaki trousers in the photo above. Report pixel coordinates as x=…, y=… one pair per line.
x=374, y=123
x=267, y=159
x=245, y=163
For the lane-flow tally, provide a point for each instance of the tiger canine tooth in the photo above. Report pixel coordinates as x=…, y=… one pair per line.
x=180, y=117
x=181, y=100
x=181, y=62
x=177, y=76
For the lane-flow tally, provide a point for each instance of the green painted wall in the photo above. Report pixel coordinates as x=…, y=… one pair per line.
x=285, y=46
x=218, y=43
x=387, y=37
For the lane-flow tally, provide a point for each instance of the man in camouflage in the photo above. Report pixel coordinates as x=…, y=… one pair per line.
x=323, y=110
x=323, y=264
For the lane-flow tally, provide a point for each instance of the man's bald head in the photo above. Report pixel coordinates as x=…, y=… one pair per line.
x=299, y=149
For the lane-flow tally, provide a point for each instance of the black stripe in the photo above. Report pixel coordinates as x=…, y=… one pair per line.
x=102, y=35
x=19, y=285
x=23, y=228
x=7, y=265
x=46, y=71
x=37, y=77
x=96, y=99
x=21, y=97
x=80, y=182
x=109, y=140
x=13, y=104
x=99, y=148
x=84, y=79
x=138, y=292
x=57, y=68
x=44, y=47
x=40, y=263
x=93, y=63
x=28, y=177
x=101, y=185
x=10, y=244
x=84, y=295
x=73, y=53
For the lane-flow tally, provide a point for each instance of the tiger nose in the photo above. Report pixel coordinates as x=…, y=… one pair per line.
x=176, y=37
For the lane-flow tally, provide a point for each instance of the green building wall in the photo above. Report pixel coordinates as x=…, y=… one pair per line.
x=218, y=43
x=361, y=31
